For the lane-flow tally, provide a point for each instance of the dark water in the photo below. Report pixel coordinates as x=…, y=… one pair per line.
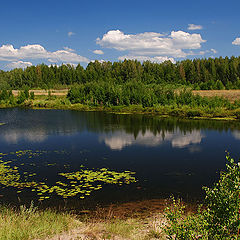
x=169, y=156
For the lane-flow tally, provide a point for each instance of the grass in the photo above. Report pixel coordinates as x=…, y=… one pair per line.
x=30, y=223
x=108, y=223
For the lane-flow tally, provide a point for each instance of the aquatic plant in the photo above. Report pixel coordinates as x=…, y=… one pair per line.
x=80, y=183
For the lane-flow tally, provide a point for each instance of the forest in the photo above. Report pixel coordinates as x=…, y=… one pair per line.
x=130, y=83
x=205, y=74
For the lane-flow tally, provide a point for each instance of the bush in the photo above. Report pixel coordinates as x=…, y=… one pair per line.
x=22, y=97
x=220, y=219
x=32, y=96
x=223, y=203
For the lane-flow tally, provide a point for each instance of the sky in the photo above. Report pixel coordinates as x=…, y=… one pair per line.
x=79, y=31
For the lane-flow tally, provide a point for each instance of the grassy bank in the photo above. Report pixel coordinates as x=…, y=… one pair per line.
x=29, y=223
x=184, y=111
x=143, y=220
x=164, y=102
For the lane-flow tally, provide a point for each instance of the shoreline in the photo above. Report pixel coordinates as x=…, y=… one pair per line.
x=183, y=112
x=131, y=220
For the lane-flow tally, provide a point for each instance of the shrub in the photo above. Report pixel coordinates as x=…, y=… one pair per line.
x=22, y=97
x=223, y=203
x=32, y=96
x=220, y=219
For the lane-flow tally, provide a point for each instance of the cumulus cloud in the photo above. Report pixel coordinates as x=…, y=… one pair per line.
x=9, y=53
x=214, y=51
x=152, y=43
x=19, y=64
x=68, y=49
x=71, y=34
x=100, y=52
x=236, y=41
x=194, y=27
x=66, y=56
x=100, y=60
x=157, y=59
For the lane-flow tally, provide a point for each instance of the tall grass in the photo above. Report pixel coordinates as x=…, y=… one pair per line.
x=30, y=223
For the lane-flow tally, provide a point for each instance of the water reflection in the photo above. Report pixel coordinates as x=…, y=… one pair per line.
x=116, y=131
x=168, y=155
x=236, y=134
x=16, y=135
x=178, y=139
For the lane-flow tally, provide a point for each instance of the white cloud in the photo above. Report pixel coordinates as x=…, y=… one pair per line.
x=66, y=56
x=236, y=41
x=71, y=34
x=202, y=52
x=19, y=64
x=9, y=53
x=100, y=60
x=194, y=27
x=214, y=51
x=157, y=59
x=152, y=43
x=100, y=52
x=68, y=49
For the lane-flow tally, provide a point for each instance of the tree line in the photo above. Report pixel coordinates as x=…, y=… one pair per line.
x=211, y=73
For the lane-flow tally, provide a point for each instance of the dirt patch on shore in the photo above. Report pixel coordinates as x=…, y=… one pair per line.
x=140, y=220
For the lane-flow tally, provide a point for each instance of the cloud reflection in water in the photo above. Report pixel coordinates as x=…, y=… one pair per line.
x=120, y=139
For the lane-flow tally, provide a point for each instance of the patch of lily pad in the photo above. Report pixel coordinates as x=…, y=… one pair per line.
x=80, y=183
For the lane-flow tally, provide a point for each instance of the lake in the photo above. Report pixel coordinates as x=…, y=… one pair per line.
x=154, y=157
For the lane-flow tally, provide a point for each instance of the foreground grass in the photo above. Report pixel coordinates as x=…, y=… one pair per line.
x=141, y=220
x=29, y=223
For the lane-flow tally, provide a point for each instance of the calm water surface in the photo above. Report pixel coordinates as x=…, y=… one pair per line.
x=169, y=156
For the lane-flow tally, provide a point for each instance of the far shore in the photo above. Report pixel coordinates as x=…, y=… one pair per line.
x=57, y=99
x=231, y=95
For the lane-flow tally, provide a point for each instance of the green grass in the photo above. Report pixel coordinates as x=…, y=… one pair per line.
x=30, y=223
x=127, y=229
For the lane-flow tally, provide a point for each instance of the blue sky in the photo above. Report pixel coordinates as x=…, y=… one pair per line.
x=56, y=32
